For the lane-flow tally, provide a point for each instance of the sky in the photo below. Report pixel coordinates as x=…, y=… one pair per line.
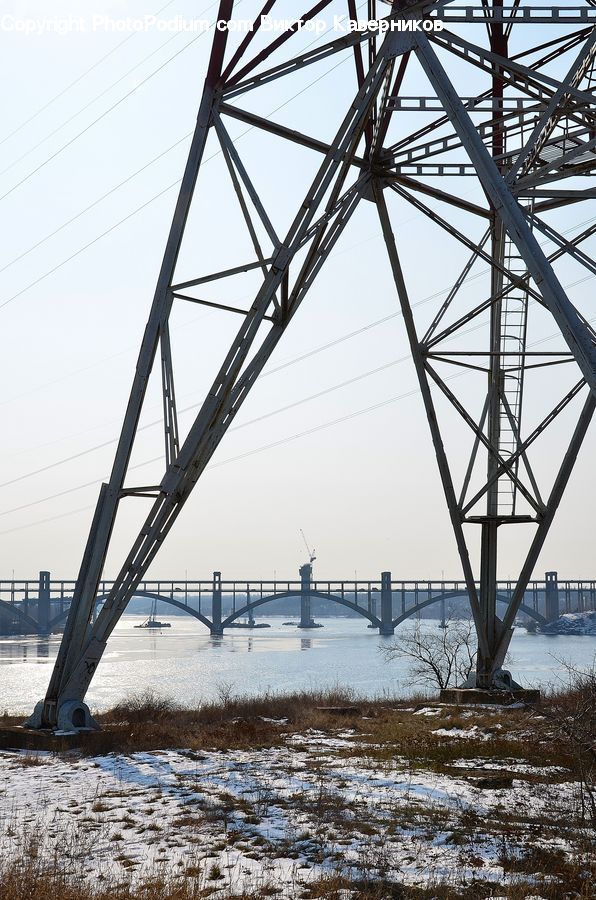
x=334, y=439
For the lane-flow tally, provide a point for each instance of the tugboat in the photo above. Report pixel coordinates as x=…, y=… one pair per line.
x=152, y=622
x=250, y=621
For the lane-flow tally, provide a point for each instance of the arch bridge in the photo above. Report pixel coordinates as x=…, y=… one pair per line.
x=41, y=606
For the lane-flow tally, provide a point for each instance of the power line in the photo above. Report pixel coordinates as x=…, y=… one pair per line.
x=214, y=465
x=322, y=348
x=90, y=244
x=64, y=515
x=82, y=110
x=143, y=168
x=278, y=368
x=282, y=366
x=268, y=415
x=95, y=203
x=323, y=425
x=186, y=409
x=106, y=112
x=77, y=80
x=103, y=115
x=122, y=183
x=105, y=91
x=315, y=351
x=264, y=447
x=155, y=196
x=309, y=353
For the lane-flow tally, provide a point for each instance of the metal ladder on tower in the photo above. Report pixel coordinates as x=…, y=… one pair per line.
x=512, y=344
x=556, y=142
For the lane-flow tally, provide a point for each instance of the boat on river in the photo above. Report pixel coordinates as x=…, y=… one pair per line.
x=152, y=622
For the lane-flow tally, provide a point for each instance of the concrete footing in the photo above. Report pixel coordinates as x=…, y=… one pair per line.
x=480, y=696
x=18, y=737
x=73, y=715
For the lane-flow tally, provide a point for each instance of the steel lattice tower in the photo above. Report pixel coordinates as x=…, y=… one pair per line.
x=526, y=133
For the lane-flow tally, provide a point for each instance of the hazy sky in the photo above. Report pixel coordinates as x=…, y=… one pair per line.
x=353, y=467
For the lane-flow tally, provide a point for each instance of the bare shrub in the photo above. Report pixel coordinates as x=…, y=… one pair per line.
x=572, y=713
x=148, y=721
x=225, y=693
x=31, y=758
x=146, y=706
x=441, y=658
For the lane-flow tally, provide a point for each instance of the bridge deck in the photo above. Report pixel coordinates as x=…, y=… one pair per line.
x=21, y=598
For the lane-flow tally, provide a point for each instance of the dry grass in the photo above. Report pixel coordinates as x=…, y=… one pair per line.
x=32, y=759
x=336, y=887
x=35, y=883
x=149, y=722
x=382, y=731
x=385, y=727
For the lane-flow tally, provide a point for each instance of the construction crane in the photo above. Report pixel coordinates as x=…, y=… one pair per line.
x=311, y=553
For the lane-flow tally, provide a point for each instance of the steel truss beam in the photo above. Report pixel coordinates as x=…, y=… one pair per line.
x=495, y=14
x=508, y=161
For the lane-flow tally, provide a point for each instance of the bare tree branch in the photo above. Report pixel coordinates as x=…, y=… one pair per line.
x=441, y=658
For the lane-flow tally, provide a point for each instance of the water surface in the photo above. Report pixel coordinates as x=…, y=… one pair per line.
x=185, y=662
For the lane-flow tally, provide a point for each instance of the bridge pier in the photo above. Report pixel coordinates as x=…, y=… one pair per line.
x=387, y=627
x=216, y=626
x=306, y=619
x=43, y=603
x=552, y=605
x=372, y=605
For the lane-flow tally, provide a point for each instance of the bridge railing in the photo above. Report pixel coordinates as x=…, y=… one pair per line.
x=574, y=594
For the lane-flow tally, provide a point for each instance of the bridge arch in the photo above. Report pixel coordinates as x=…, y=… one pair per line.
x=23, y=617
x=451, y=595
x=183, y=606
x=341, y=601
x=151, y=596
x=261, y=601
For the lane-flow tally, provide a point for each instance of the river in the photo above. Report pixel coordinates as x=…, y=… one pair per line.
x=186, y=663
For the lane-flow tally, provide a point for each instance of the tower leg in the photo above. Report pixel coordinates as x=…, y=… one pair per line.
x=485, y=662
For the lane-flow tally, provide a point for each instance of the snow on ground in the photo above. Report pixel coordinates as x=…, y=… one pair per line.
x=509, y=765
x=579, y=623
x=472, y=733
x=244, y=819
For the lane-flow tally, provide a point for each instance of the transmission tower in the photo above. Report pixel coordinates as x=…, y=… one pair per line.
x=501, y=99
